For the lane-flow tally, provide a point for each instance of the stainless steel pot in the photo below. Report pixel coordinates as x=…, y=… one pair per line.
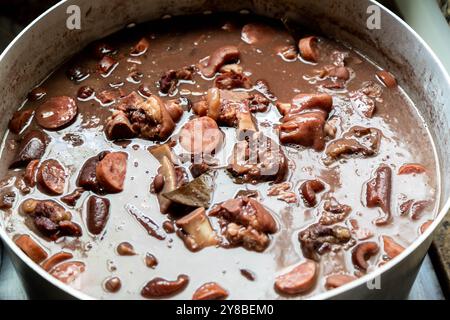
x=47, y=42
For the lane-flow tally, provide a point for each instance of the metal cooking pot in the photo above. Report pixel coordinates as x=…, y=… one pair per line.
x=47, y=42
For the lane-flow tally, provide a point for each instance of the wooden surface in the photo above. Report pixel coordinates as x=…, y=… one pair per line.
x=426, y=286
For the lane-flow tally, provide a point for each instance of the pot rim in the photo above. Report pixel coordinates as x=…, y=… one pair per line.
x=322, y=296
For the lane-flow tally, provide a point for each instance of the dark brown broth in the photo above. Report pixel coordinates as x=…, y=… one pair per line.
x=178, y=42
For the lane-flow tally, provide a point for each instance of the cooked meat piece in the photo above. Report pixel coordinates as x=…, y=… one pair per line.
x=31, y=248
x=258, y=159
x=308, y=190
x=148, y=118
x=309, y=49
x=68, y=271
x=225, y=106
x=305, y=129
x=318, y=239
x=197, y=169
x=232, y=80
x=196, y=230
x=312, y=102
x=87, y=177
x=334, y=212
x=119, y=127
x=7, y=199
x=51, y=219
x=248, y=237
x=358, y=141
x=362, y=252
x=169, y=80
x=378, y=193
x=303, y=121
x=218, y=58
x=56, y=259
x=111, y=171
x=246, y=211
x=72, y=198
x=364, y=99
x=245, y=222
x=300, y=279
x=387, y=78
x=338, y=280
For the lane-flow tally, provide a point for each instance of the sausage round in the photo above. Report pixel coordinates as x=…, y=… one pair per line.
x=56, y=113
x=201, y=135
x=111, y=171
x=51, y=177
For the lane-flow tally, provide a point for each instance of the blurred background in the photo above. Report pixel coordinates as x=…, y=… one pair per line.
x=430, y=18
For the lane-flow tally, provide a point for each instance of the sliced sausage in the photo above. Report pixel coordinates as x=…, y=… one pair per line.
x=56, y=113
x=387, y=78
x=201, y=135
x=30, y=173
x=97, y=214
x=51, y=177
x=159, y=287
x=417, y=208
x=391, y=247
x=67, y=272
x=218, y=58
x=308, y=49
x=111, y=171
x=411, y=168
x=338, y=280
x=31, y=248
x=210, y=291
x=378, y=193
x=300, y=279
x=19, y=120
x=425, y=226
x=55, y=259
x=31, y=147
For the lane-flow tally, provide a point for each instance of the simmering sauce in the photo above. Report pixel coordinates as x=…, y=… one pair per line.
x=343, y=176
